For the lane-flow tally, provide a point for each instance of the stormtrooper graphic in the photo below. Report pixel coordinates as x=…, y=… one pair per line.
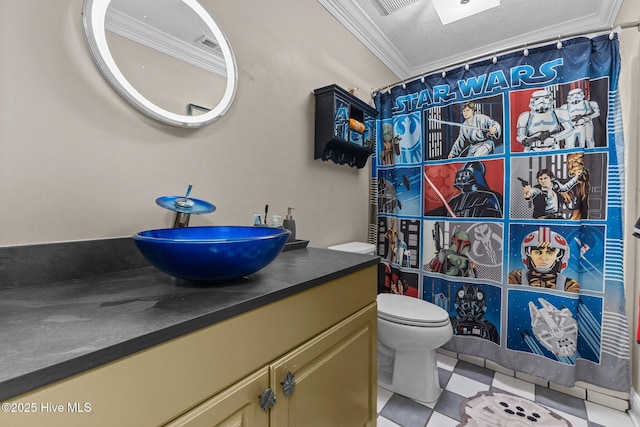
x=582, y=112
x=543, y=127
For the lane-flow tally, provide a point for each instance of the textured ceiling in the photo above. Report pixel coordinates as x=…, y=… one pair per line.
x=412, y=40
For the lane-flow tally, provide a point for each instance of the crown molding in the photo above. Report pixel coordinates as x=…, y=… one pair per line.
x=353, y=18
x=137, y=31
x=608, y=11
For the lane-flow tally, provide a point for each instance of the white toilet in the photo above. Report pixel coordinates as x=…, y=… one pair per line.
x=409, y=332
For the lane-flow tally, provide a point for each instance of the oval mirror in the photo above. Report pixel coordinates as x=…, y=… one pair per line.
x=168, y=58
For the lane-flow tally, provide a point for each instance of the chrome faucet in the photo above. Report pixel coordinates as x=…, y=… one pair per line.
x=184, y=207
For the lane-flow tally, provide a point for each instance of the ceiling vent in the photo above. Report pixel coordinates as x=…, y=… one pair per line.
x=390, y=6
x=210, y=43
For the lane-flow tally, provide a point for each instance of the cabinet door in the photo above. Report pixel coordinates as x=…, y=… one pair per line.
x=335, y=377
x=237, y=406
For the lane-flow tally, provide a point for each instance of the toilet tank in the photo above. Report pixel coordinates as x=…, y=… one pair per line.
x=356, y=247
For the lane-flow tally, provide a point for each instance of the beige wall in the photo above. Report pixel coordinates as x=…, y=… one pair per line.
x=77, y=162
x=630, y=94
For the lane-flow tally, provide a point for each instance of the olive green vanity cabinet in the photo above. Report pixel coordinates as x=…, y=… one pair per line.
x=332, y=376
x=235, y=407
x=324, y=382
x=315, y=350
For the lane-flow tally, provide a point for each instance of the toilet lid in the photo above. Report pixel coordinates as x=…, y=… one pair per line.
x=411, y=311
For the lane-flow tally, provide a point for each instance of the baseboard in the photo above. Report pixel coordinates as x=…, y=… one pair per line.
x=634, y=412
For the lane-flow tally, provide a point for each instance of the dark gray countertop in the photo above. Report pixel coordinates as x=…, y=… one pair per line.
x=53, y=330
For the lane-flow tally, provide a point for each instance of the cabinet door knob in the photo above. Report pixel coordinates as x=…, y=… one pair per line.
x=267, y=399
x=288, y=384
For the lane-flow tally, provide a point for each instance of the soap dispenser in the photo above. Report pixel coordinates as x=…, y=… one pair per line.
x=290, y=224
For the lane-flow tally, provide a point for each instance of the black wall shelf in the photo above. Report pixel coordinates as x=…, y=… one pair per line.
x=345, y=127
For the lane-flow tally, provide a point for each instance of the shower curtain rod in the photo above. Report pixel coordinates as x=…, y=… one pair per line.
x=510, y=49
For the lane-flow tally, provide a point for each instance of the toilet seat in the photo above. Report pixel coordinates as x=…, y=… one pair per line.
x=411, y=311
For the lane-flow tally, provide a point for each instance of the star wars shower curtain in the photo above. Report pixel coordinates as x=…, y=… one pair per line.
x=500, y=189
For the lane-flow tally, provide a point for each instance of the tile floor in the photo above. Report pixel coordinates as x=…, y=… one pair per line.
x=460, y=379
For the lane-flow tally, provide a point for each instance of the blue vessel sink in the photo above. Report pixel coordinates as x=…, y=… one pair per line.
x=211, y=253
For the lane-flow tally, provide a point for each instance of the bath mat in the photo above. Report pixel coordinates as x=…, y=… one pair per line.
x=489, y=409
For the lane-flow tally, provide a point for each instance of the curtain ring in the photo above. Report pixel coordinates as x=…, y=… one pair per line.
x=495, y=59
x=404, y=85
x=611, y=34
x=422, y=79
x=525, y=52
x=559, y=44
x=444, y=74
x=466, y=67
